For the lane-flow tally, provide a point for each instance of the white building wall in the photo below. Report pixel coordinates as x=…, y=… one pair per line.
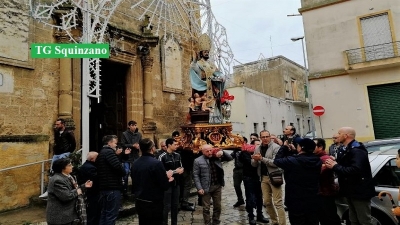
x=251, y=107
x=346, y=103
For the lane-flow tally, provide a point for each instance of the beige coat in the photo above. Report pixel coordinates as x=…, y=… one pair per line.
x=268, y=158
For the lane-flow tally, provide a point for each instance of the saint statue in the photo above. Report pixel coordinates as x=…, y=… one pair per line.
x=206, y=78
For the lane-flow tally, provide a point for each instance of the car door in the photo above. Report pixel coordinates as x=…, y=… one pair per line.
x=387, y=178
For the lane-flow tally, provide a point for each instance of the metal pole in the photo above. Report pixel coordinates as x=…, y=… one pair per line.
x=85, y=83
x=42, y=180
x=320, y=126
x=308, y=91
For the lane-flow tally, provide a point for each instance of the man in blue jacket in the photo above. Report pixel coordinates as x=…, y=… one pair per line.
x=151, y=181
x=353, y=170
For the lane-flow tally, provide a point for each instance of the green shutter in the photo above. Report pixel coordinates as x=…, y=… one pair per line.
x=384, y=101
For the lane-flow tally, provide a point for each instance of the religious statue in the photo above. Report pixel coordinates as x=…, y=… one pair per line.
x=206, y=78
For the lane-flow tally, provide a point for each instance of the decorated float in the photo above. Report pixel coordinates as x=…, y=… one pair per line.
x=209, y=106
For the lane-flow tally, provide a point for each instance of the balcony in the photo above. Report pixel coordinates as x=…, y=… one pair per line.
x=376, y=56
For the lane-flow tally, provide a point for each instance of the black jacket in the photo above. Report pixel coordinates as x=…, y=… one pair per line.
x=171, y=161
x=235, y=156
x=248, y=169
x=64, y=142
x=109, y=169
x=88, y=171
x=128, y=139
x=354, y=172
x=150, y=178
x=301, y=174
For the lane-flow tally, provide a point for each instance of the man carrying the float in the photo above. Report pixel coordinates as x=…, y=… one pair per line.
x=206, y=78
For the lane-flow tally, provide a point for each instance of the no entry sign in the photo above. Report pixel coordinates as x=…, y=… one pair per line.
x=318, y=110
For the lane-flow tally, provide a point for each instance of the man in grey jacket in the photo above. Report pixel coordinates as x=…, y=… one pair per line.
x=209, y=180
x=263, y=158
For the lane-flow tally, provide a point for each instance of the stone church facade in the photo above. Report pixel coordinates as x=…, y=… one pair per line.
x=145, y=79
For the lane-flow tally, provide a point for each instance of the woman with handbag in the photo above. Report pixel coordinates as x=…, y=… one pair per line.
x=63, y=204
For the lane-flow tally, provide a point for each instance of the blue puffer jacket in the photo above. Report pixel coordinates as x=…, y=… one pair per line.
x=354, y=172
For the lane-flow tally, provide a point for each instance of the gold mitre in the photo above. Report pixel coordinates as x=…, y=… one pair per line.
x=204, y=42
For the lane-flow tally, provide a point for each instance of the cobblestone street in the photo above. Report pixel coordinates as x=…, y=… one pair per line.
x=229, y=215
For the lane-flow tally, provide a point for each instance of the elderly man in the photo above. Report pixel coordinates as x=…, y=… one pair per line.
x=354, y=174
x=88, y=171
x=263, y=158
x=209, y=180
x=334, y=148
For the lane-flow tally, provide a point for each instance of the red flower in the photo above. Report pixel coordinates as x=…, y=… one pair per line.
x=226, y=97
x=248, y=148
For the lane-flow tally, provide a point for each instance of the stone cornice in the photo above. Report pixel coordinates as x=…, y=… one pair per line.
x=318, y=4
x=24, y=138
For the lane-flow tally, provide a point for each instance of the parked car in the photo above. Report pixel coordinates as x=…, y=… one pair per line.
x=383, y=144
x=309, y=135
x=386, y=177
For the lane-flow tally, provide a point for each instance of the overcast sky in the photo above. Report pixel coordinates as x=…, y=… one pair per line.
x=256, y=27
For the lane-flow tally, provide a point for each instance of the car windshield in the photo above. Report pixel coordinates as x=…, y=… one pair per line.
x=384, y=146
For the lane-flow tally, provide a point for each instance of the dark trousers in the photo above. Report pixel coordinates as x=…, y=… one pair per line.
x=150, y=213
x=185, y=186
x=93, y=209
x=127, y=167
x=237, y=182
x=110, y=202
x=297, y=218
x=254, y=200
x=327, y=212
x=171, y=202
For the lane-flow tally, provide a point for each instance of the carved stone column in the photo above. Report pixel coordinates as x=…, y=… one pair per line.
x=65, y=84
x=149, y=126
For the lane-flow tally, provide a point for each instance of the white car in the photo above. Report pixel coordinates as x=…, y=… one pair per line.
x=386, y=177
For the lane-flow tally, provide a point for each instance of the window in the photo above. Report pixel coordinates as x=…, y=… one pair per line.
x=377, y=37
x=255, y=128
x=388, y=175
x=264, y=125
x=294, y=90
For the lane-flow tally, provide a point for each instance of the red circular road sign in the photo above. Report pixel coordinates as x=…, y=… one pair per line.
x=318, y=110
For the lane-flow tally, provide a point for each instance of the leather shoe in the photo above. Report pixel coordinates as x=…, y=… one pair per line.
x=252, y=222
x=188, y=208
x=238, y=203
x=262, y=219
x=187, y=203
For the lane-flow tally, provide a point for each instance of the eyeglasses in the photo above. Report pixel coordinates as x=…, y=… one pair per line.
x=334, y=137
x=265, y=136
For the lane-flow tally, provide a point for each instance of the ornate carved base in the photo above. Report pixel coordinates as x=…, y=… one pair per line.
x=218, y=135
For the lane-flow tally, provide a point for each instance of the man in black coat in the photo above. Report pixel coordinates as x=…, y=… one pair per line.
x=88, y=171
x=355, y=177
x=302, y=170
x=151, y=181
x=110, y=172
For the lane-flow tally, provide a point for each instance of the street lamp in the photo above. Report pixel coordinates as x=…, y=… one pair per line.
x=307, y=84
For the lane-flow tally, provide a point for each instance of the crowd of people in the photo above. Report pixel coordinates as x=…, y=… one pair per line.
x=162, y=179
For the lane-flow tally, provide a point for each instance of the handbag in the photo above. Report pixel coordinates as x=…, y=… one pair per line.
x=276, y=178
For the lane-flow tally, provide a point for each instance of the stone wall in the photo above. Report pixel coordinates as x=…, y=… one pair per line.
x=18, y=185
x=272, y=76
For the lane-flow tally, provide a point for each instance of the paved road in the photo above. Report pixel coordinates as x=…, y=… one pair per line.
x=229, y=215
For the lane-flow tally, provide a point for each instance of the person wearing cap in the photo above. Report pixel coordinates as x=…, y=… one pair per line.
x=301, y=171
x=206, y=78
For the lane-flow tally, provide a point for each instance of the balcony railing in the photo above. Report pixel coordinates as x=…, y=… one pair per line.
x=374, y=52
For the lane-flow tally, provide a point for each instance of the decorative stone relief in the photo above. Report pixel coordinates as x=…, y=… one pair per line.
x=172, y=66
x=15, y=37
